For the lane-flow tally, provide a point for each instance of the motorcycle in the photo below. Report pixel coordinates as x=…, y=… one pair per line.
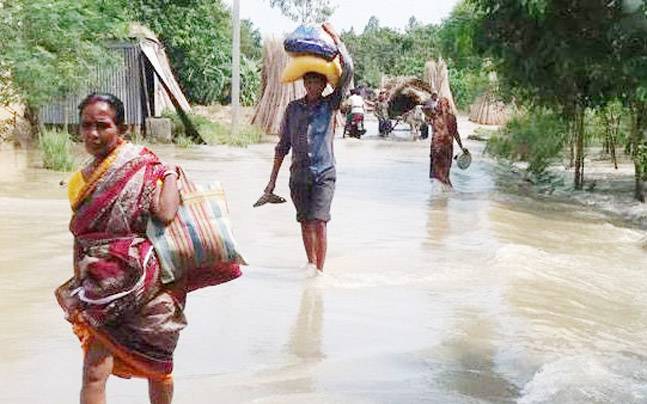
x=354, y=126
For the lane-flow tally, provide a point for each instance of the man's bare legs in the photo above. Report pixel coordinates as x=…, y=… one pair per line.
x=308, y=235
x=315, y=242
x=321, y=245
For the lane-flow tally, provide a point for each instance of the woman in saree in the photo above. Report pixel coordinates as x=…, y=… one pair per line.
x=128, y=322
x=445, y=130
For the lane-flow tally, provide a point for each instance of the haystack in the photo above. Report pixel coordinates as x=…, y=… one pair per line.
x=488, y=110
x=437, y=75
x=276, y=96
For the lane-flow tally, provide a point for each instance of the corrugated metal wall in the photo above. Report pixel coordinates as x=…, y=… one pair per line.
x=124, y=80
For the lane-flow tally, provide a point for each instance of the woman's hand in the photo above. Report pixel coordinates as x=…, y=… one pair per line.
x=167, y=197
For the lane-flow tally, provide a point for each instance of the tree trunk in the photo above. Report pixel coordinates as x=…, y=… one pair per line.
x=636, y=140
x=579, y=148
x=571, y=144
x=31, y=115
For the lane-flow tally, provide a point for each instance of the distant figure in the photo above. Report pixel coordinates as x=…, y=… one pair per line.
x=307, y=130
x=445, y=130
x=382, y=113
x=416, y=119
x=429, y=108
x=357, y=108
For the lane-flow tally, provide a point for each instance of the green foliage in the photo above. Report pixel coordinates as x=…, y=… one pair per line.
x=567, y=55
x=456, y=38
x=305, y=11
x=250, y=41
x=215, y=133
x=556, y=52
x=49, y=47
x=537, y=138
x=379, y=51
x=467, y=70
x=56, y=147
x=183, y=142
x=197, y=36
x=466, y=85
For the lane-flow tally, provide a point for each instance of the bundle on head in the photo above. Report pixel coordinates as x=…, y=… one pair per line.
x=311, y=49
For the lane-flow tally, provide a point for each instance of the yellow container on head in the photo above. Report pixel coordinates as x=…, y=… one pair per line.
x=301, y=64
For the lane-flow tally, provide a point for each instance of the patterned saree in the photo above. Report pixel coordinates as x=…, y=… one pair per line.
x=442, y=148
x=115, y=295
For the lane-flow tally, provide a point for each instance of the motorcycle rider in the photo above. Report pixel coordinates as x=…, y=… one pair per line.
x=357, y=109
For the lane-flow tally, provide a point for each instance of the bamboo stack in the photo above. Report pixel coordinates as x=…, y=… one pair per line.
x=437, y=75
x=276, y=96
x=488, y=110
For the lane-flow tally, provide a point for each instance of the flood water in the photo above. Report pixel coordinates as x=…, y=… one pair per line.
x=471, y=297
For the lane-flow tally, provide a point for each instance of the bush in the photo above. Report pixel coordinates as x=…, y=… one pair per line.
x=537, y=137
x=57, y=150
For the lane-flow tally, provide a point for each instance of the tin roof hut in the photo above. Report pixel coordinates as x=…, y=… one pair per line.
x=142, y=78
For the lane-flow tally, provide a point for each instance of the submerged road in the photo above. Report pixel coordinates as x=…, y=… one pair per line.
x=471, y=297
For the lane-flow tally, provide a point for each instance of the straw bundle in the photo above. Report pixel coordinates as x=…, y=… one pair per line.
x=276, y=96
x=437, y=75
x=488, y=110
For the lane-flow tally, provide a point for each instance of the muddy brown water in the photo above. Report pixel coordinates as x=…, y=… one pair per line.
x=471, y=297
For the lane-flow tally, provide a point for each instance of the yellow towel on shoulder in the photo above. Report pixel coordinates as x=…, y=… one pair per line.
x=74, y=186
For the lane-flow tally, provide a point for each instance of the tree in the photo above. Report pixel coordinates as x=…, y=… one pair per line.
x=305, y=11
x=413, y=23
x=50, y=47
x=381, y=50
x=373, y=25
x=250, y=40
x=197, y=37
x=553, y=53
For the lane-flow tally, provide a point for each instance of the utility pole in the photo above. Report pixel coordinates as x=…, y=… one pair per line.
x=235, y=69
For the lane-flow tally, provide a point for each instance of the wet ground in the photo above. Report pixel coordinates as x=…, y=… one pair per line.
x=471, y=297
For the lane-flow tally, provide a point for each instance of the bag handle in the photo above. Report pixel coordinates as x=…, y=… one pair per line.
x=184, y=184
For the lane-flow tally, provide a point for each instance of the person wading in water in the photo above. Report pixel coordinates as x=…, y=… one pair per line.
x=307, y=129
x=445, y=130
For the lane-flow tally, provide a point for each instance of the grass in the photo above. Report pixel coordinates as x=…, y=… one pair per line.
x=214, y=133
x=137, y=138
x=183, y=142
x=57, y=150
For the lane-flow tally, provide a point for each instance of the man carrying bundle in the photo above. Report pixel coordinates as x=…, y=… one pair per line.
x=307, y=129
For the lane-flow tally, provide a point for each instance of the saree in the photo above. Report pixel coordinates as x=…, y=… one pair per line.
x=442, y=147
x=116, y=295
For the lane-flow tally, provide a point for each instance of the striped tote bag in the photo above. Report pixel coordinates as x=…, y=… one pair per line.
x=199, y=242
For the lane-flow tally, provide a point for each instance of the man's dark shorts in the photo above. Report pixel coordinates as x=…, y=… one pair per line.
x=312, y=196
